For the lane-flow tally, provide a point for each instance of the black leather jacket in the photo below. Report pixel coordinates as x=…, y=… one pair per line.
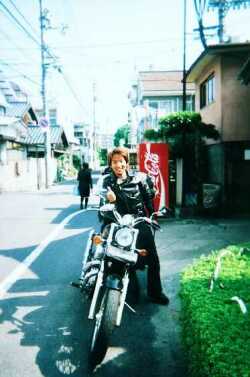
x=133, y=195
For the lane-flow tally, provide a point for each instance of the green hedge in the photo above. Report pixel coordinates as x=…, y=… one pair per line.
x=216, y=333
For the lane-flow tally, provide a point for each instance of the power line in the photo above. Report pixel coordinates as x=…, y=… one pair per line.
x=41, y=46
x=20, y=73
x=26, y=31
x=19, y=24
x=6, y=36
x=77, y=47
x=72, y=90
x=23, y=17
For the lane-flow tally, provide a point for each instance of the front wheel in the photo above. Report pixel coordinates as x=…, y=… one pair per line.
x=104, y=326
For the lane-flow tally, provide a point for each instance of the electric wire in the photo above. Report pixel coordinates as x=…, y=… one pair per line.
x=20, y=73
x=46, y=49
x=7, y=37
x=23, y=17
x=23, y=28
x=19, y=24
x=64, y=76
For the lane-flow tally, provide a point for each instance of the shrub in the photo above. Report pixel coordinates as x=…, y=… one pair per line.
x=216, y=333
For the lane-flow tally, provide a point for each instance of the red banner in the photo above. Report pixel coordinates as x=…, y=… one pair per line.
x=153, y=160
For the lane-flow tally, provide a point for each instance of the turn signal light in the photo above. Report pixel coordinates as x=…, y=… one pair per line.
x=142, y=252
x=97, y=239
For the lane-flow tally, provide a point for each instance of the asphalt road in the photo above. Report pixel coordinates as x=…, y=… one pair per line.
x=44, y=329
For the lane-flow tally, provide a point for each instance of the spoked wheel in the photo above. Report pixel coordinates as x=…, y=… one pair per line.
x=104, y=326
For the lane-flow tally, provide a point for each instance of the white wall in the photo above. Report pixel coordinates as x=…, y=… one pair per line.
x=25, y=175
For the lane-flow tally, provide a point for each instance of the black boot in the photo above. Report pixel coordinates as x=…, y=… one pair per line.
x=160, y=299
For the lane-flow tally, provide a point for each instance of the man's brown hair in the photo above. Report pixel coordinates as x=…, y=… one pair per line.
x=119, y=150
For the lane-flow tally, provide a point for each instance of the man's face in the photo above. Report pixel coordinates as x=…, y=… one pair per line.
x=119, y=165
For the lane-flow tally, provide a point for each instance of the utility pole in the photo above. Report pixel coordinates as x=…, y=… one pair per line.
x=47, y=146
x=94, y=126
x=221, y=16
x=184, y=92
x=223, y=7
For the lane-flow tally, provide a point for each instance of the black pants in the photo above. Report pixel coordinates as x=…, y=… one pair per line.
x=85, y=201
x=146, y=241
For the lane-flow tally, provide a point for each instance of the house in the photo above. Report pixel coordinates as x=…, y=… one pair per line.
x=244, y=74
x=223, y=100
x=22, y=163
x=35, y=141
x=52, y=115
x=82, y=132
x=156, y=94
x=16, y=113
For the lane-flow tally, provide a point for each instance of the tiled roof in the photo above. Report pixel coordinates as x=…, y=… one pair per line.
x=162, y=81
x=36, y=136
x=5, y=121
x=3, y=101
x=17, y=109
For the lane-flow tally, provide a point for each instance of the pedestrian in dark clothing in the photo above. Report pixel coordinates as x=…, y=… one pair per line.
x=85, y=184
x=132, y=193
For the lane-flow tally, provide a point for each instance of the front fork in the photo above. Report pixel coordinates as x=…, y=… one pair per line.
x=86, y=254
x=99, y=283
x=125, y=282
x=98, y=286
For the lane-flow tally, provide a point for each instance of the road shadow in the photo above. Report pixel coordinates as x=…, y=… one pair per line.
x=19, y=254
x=47, y=314
x=50, y=317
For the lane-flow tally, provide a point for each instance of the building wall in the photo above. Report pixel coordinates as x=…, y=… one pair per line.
x=237, y=176
x=235, y=102
x=215, y=155
x=25, y=175
x=230, y=113
x=213, y=112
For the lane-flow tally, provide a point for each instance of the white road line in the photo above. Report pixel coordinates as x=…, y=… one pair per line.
x=25, y=264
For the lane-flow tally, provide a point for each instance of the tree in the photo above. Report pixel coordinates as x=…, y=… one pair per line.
x=181, y=130
x=103, y=156
x=186, y=133
x=122, y=133
x=76, y=161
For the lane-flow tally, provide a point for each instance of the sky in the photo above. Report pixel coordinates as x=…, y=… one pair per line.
x=101, y=46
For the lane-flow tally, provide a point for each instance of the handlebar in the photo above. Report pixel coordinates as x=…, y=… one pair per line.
x=148, y=220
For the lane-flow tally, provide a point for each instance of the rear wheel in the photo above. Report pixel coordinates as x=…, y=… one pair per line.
x=104, y=326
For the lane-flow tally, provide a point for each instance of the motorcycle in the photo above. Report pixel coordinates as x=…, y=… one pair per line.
x=109, y=261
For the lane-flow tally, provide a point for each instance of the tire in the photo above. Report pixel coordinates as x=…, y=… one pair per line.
x=104, y=326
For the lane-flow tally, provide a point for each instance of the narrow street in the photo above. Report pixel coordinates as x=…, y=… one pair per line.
x=44, y=329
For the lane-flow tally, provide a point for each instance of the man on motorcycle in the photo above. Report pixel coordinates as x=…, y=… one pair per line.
x=133, y=194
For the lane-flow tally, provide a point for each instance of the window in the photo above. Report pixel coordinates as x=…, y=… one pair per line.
x=207, y=90
x=190, y=103
x=168, y=105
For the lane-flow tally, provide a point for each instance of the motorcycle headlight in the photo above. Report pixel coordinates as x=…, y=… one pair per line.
x=124, y=237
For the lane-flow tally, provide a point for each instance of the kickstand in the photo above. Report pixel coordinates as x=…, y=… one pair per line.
x=132, y=310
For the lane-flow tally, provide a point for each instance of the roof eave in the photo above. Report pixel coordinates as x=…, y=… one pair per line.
x=209, y=54
x=198, y=66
